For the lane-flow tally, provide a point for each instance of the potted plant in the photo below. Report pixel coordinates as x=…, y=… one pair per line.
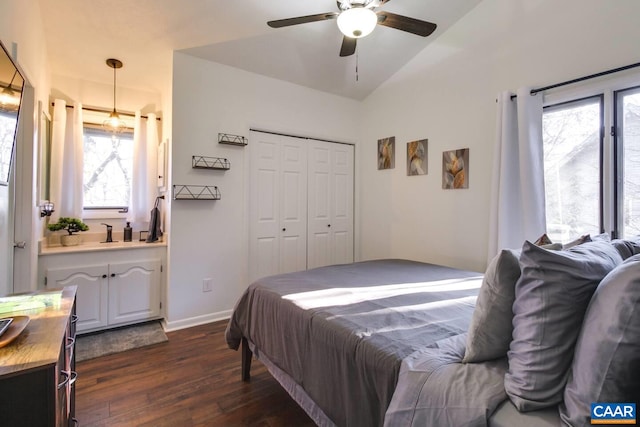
x=71, y=225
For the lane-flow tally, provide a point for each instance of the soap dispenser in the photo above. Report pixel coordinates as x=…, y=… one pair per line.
x=128, y=232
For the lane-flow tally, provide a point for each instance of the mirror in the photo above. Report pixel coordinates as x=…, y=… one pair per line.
x=44, y=155
x=11, y=84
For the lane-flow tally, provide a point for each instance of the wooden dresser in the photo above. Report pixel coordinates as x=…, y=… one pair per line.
x=37, y=369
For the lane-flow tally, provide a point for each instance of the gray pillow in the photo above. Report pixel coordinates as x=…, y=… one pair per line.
x=552, y=295
x=490, y=329
x=627, y=247
x=606, y=363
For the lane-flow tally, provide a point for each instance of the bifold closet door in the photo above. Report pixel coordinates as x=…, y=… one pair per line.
x=278, y=205
x=330, y=202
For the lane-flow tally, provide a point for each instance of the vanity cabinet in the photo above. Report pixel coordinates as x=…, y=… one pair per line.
x=128, y=289
x=37, y=369
x=112, y=294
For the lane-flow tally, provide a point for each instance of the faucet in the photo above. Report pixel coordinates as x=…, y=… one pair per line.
x=109, y=233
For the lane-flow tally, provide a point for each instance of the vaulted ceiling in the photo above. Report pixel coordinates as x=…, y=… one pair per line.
x=82, y=34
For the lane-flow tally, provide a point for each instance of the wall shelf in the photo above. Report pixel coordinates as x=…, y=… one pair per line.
x=204, y=162
x=196, y=192
x=227, y=138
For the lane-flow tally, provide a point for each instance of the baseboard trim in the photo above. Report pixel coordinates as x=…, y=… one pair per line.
x=176, y=325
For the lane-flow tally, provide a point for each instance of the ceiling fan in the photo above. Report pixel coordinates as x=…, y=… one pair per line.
x=358, y=18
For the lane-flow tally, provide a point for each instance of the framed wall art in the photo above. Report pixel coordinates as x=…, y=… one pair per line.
x=386, y=153
x=417, y=157
x=455, y=169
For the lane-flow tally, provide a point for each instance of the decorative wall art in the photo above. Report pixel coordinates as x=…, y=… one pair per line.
x=455, y=169
x=417, y=157
x=386, y=153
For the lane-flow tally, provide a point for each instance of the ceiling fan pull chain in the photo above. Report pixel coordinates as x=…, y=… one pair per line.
x=356, y=65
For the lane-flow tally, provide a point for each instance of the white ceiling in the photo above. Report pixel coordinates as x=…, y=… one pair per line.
x=82, y=34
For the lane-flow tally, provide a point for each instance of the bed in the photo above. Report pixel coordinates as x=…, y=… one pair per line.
x=381, y=343
x=356, y=321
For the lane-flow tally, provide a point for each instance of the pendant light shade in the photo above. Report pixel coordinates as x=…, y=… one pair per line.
x=114, y=123
x=357, y=22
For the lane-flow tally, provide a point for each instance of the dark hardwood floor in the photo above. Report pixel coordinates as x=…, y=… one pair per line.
x=191, y=380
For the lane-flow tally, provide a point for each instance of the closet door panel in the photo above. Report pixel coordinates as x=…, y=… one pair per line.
x=342, y=204
x=264, y=230
x=265, y=258
x=293, y=205
x=319, y=226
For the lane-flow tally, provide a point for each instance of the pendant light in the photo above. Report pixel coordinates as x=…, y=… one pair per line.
x=114, y=123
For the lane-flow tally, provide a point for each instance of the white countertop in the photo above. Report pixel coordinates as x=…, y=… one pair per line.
x=97, y=247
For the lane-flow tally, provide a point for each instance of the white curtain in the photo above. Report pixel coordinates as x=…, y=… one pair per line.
x=144, y=183
x=517, y=194
x=66, y=186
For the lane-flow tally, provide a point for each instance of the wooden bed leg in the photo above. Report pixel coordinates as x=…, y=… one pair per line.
x=246, y=360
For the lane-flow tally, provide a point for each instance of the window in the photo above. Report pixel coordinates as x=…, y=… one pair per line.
x=572, y=141
x=592, y=177
x=108, y=168
x=628, y=190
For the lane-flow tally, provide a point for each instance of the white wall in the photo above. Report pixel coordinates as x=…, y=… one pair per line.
x=210, y=239
x=100, y=95
x=447, y=94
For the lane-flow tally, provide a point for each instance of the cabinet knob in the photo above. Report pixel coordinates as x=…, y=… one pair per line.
x=113, y=274
x=329, y=225
x=284, y=229
x=104, y=276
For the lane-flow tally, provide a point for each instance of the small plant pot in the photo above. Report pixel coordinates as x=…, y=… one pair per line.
x=70, y=240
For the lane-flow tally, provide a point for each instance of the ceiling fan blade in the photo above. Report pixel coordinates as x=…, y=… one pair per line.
x=404, y=23
x=302, y=20
x=348, y=46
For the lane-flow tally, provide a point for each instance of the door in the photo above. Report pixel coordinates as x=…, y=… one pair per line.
x=330, y=227
x=134, y=291
x=278, y=206
x=91, y=297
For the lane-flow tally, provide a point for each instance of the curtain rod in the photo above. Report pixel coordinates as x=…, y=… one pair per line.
x=106, y=110
x=297, y=136
x=581, y=79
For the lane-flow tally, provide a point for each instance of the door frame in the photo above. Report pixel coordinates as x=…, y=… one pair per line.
x=24, y=219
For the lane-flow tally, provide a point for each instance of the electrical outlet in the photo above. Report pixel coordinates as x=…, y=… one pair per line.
x=207, y=285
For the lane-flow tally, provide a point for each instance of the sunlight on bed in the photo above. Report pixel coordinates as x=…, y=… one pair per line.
x=346, y=296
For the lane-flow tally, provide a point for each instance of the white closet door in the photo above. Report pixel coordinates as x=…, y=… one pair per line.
x=293, y=205
x=278, y=207
x=342, y=204
x=330, y=227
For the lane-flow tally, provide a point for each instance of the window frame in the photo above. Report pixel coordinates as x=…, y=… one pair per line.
x=577, y=103
x=609, y=164
x=106, y=212
x=618, y=147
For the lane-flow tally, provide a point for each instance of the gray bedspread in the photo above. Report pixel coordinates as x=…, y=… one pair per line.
x=341, y=332
x=435, y=389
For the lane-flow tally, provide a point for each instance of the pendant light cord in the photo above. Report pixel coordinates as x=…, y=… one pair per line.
x=114, y=89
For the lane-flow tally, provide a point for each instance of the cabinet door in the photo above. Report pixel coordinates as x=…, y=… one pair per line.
x=92, y=294
x=330, y=231
x=134, y=291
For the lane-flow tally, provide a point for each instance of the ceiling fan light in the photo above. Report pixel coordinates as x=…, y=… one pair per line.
x=357, y=22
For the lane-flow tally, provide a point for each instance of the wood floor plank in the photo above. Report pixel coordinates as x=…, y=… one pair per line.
x=191, y=380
